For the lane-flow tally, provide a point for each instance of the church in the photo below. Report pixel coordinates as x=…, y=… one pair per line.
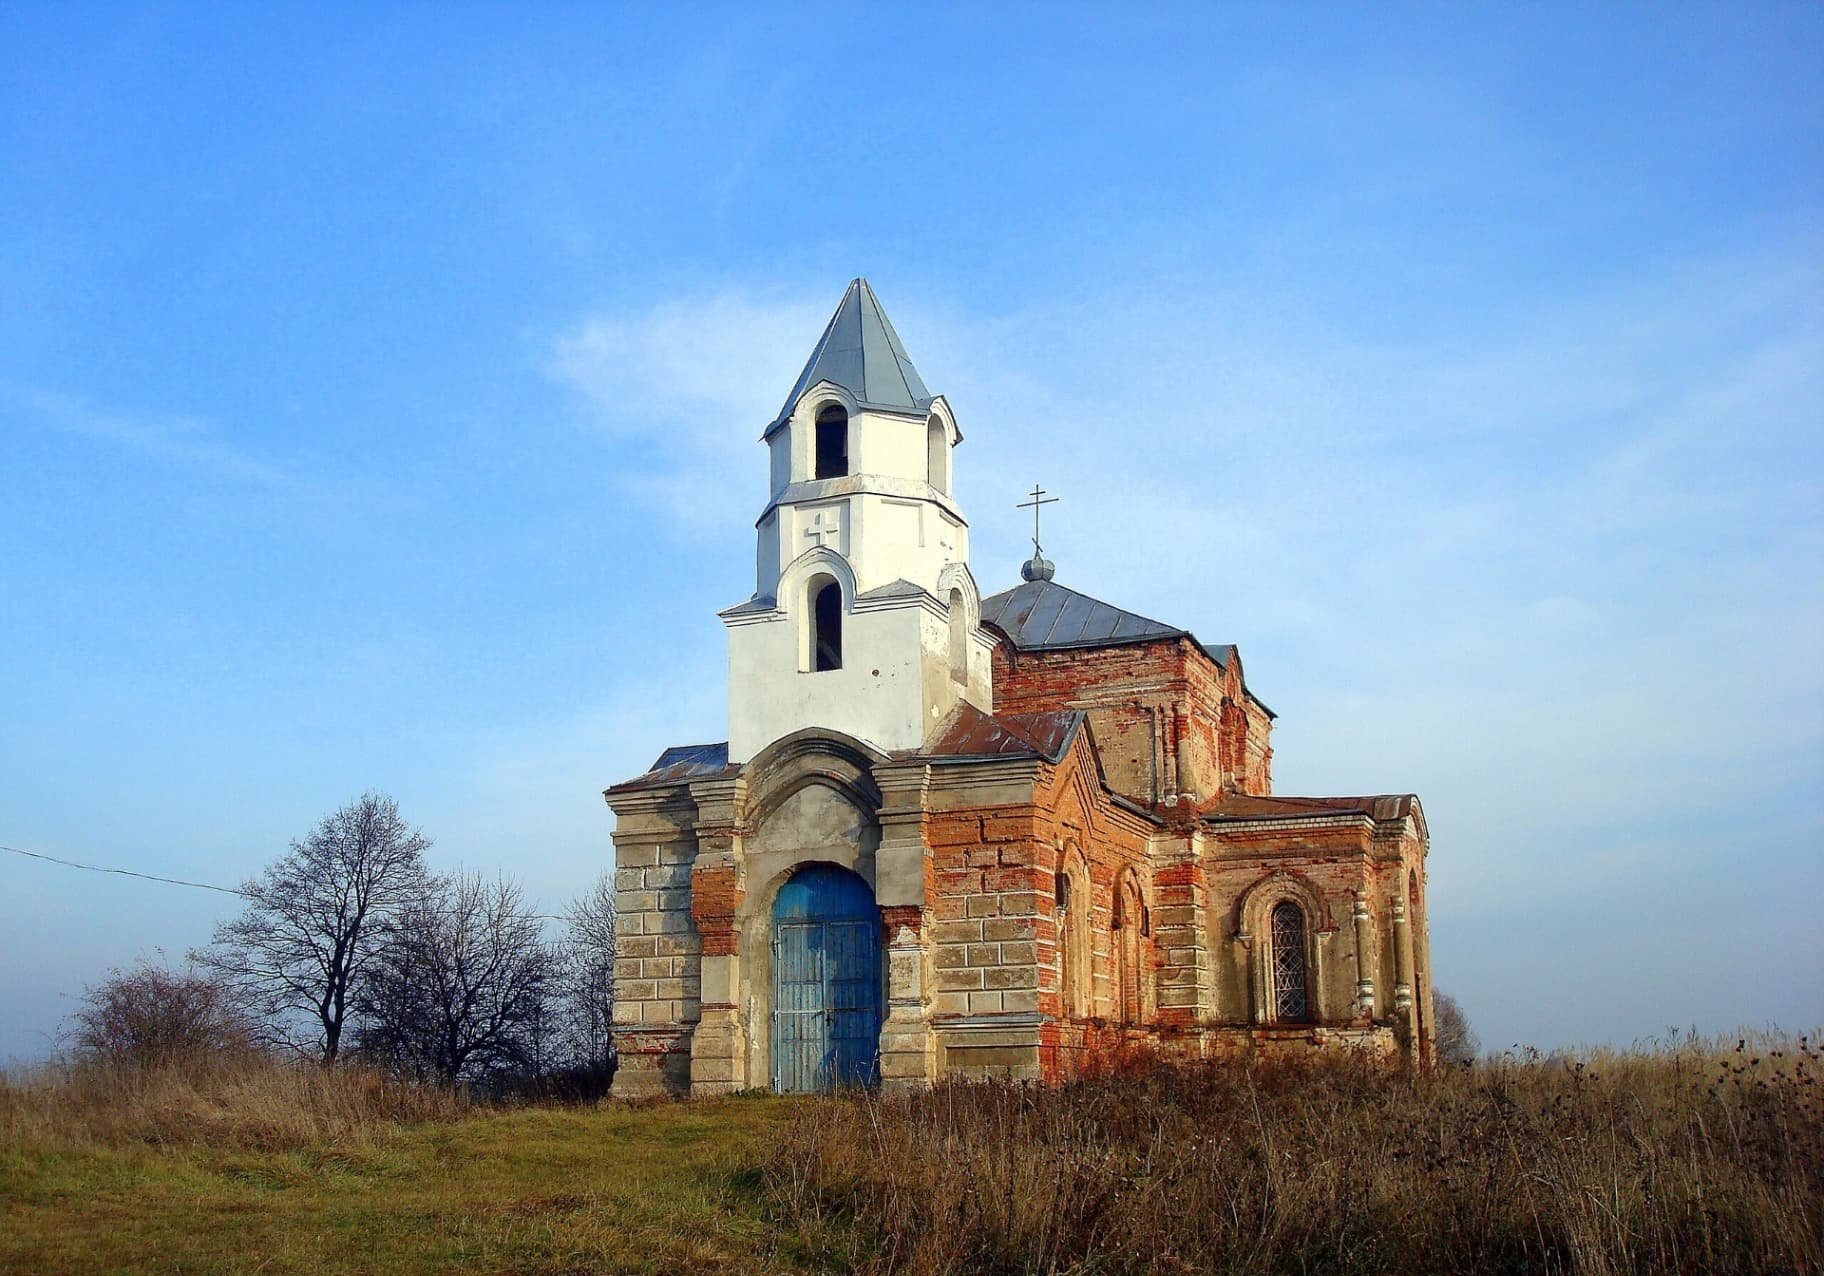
x=962, y=836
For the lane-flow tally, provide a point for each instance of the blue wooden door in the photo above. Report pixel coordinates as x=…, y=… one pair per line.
x=826, y=981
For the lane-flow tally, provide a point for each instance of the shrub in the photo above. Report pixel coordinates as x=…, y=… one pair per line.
x=149, y=1015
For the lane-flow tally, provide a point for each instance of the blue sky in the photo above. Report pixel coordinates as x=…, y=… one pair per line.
x=379, y=396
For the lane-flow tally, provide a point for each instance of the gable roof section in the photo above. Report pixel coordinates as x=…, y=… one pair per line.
x=970, y=735
x=860, y=352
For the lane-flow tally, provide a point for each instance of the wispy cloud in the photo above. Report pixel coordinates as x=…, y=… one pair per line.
x=184, y=441
x=687, y=386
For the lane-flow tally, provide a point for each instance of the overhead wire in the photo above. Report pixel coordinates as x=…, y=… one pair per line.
x=177, y=881
x=124, y=872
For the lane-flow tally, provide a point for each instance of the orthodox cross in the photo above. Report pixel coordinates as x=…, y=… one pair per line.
x=1038, y=498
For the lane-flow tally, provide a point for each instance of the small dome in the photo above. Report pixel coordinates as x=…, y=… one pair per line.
x=1037, y=568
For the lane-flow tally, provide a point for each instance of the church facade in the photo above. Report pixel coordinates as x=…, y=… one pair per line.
x=956, y=835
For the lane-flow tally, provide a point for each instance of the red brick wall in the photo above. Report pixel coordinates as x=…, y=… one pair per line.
x=714, y=897
x=1155, y=707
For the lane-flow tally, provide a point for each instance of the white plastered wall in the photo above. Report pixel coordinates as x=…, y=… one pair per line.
x=882, y=523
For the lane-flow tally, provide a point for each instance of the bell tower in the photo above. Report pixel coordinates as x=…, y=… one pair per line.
x=864, y=617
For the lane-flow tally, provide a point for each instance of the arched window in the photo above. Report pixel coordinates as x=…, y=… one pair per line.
x=1129, y=950
x=832, y=442
x=937, y=456
x=959, y=637
x=826, y=625
x=1289, y=967
x=1071, y=885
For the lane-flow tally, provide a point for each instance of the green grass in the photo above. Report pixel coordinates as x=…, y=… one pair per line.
x=1684, y=1156
x=664, y=1188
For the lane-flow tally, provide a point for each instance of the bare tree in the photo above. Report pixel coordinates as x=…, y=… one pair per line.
x=462, y=988
x=589, y=953
x=1457, y=1041
x=306, y=943
x=151, y=1015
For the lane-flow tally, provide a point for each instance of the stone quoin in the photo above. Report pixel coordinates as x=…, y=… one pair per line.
x=951, y=835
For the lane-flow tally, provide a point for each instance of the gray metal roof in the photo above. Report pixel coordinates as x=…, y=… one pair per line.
x=680, y=763
x=860, y=352
x=1042, y=615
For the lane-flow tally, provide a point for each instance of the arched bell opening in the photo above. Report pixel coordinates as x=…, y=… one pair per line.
x=832, y=443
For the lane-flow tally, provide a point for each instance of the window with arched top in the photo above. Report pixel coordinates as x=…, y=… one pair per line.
x=826, y=625
x=1288, y=964
x=1071, y=904
x=937, y=456
x=1129, y=944
x=959, y=637
x=832, y=459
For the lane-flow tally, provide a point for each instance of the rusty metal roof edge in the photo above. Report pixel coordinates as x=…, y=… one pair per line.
x=959, y=759
x=1365, y=811
x=1128, y=804
x=653, y=780
x=687, y=762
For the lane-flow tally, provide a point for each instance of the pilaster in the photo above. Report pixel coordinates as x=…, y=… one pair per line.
x=1186, y=988
x=1364, y=955
x=718, y=1052
x=656, y=950
x=1402, y=959
x=908, y=1049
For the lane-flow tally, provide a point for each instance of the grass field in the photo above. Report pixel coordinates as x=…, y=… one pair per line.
x=1698, y=1157
x=666, y=1188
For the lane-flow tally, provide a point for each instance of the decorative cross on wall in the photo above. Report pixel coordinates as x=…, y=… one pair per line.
x=823, y=525
x=1038, y=498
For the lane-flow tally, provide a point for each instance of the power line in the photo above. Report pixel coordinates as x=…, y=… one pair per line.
x=124, y=872
x=178, y=881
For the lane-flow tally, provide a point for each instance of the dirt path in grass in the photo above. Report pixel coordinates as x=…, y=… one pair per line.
x=674, y=1188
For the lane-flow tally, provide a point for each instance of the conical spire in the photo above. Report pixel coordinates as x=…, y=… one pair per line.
x=860, y=352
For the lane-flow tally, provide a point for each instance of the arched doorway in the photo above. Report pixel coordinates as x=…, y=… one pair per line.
x=826, y=981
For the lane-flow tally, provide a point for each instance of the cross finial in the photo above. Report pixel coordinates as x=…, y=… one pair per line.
x=1039, y=568
x=1038, y=498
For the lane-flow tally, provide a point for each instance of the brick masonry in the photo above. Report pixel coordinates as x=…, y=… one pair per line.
x=1034, y=912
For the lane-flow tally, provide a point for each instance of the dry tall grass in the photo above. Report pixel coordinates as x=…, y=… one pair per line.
x=219, y=1098
x=1692, y=1157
